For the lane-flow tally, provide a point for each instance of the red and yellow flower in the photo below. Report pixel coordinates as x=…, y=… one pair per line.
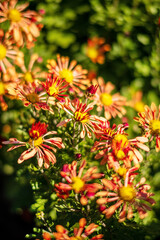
x=80, y=114
x=80, y=233
x=126, y=195
x=31, y=95
x=78, y=183
x=113, y=105
x=38, y=145
x=149, y=121
x=96, y=49
x=115, y=147
x=72, y=73
x=23, y=25
x=55, y=87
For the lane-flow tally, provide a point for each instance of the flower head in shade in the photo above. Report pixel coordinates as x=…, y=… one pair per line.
x=30, y=95
x=55, y=87
x=7, y=53
x=113, y=104
x=31, y=73
x=115, y=147
x=80, y=114
x=81, y=233
x=23, y=25
x=96, y=49
x=136, y=101
x=126, y=196
x=149, y=121
x=72, y=73
x=38, y=145
x=80, y=182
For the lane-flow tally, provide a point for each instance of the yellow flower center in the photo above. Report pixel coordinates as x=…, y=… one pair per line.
x=67, y=75
x=92, y=52
x=139, y=106
x=32, y=97
x=77, y=184
x=81, y=117
x=3, y=52
x=155, y=127
x=28, y=77
x=14, y=15
x=38, y=141
x=106, y=99
x=122, y=171
x=127, y=193
x=53, y=90
x=2, y=89
x=119, y=154
x=120, y=139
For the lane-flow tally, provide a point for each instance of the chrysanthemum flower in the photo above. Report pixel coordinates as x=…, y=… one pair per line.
x=96, y=49
x=73, y=74
x=30, y=95
x=114, y=146
x=78, y=183
x=127, y=194
x=23, y=25
x=136, y=101
x=7, y=51
x=38, y=145
x=80, y=113
x=113, y=105
x=55, y=87
x=149, y=121
x=80, y=233
x=30, y=74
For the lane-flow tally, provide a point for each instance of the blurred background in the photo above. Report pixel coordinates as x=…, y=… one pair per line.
x=131, y=31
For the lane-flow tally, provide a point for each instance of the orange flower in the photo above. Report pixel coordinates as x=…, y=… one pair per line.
x=38, y=145
x=114, y=146
x=31, y=74
x=112, y=104
x=96, y=49
x=23, y=25
x=149, y=121
x=74, y=75
x=79, y=113
x=137, y=102
x=7, y=51
x=78, y=183
x=80, y=233
x=129, y=195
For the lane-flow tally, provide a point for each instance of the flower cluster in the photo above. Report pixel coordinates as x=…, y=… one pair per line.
x=114, y=147
x=79, y=233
